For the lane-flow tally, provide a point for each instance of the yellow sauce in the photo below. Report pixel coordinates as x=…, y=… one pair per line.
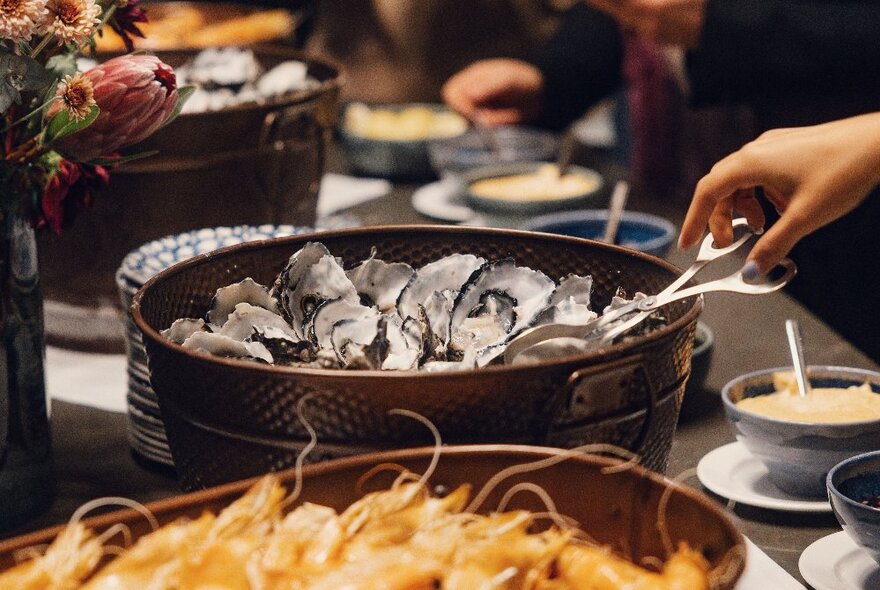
x=407, y=124
x=544, y=184
x=825, y=405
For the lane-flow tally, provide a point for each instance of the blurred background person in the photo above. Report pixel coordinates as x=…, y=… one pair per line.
x=403, y=50
x=793, y=62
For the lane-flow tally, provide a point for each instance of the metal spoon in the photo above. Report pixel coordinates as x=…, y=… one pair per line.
x=615, y=211
x=566, y=151
x=795, y=345
x=487, y=132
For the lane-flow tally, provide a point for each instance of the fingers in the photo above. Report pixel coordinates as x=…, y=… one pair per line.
x=721, y=222
x=748, y=206
x=775, y=245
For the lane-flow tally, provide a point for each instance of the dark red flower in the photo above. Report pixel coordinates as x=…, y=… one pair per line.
x=68, y=192
x=123, y=21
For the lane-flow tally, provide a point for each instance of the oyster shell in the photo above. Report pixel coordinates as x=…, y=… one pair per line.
x=220, y=345
x=331, y=313
x=242, y=322
x=183, y=328
x=375, y=343
x=284, y=349
x=499, y=301
x=380, y=283
x=247, y=291
x=448, y=274
x=311, y=277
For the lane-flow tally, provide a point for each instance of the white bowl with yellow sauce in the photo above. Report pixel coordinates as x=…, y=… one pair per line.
x=530, y=187
x=391, y=140
x=800, y=440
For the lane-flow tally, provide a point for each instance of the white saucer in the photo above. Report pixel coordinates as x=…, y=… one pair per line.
x=443, y=200
x=835, y=562
x=733, y=472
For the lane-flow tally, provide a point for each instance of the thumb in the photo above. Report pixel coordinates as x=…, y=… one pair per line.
x=779, y=240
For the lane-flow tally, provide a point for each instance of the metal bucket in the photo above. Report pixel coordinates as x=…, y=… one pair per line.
x=250, y=164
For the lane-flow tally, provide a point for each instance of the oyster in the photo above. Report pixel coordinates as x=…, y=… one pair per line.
x=380, y=283
x=448, y=274
x=375, y=343
x=220, y=345
x=331, y=313
x=311, y=277
x=499, y=301
x=242, y=322
x=455, y=313
x=284, y=349
x=183, y=328
x=247, y=291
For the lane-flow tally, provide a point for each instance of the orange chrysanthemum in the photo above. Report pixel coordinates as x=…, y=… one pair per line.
x=77, y=96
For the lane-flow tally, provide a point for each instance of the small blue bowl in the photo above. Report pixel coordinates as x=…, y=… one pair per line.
x=849, y=483
x=461, y=153
x=640, y=231
x=799, y=455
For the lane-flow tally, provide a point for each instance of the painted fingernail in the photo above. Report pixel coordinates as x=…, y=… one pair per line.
x=750, y=271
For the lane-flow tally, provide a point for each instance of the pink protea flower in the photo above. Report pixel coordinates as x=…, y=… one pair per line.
x=136, y=94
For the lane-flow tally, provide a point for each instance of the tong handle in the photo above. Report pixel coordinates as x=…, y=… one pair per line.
x=733, y=283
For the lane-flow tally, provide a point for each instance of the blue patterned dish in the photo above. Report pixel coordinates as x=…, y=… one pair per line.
x=146, y=432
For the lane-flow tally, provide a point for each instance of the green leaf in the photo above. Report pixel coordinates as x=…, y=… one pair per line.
x=62, y=125
x=63, y=64
x=183, y=95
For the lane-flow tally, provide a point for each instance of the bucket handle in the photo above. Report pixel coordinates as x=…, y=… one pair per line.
x=592, y=378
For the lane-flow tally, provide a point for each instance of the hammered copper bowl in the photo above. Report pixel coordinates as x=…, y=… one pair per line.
x=227, y=419
x=619, y=509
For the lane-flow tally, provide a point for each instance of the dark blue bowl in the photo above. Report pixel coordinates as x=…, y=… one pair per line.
x=799, y=455
x=849, y=483
x=640, y=231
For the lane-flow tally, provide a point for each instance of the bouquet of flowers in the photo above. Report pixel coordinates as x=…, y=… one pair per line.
x=62, y=128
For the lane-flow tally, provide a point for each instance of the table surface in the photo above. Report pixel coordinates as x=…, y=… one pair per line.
x=91, y=448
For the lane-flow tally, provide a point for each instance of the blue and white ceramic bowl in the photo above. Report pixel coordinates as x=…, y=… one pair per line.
x=146, y=434
x=799, y=455
x=851, y=483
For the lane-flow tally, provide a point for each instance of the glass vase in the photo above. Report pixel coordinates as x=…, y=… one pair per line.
x=27, y=485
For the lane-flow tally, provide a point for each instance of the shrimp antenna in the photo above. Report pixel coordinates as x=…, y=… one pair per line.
x=376, y=470
x=542, y=495
x=113, y=501
x=662, y=524
x=301, y=457
x=508, y=472
x=438, y=442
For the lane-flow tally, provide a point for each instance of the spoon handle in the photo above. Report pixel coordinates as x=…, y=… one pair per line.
x=615, y=211
x=795, y=345
x=566, y=151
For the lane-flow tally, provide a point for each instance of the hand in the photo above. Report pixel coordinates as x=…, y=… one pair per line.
x=500, y=91
x=669, y=22
x=812, y=175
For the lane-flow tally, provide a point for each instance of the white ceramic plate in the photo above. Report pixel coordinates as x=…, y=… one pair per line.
x=733, y=472
x=835, y=562
x=443, y=200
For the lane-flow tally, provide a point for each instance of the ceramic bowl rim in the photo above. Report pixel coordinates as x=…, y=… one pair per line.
x=834, y=490
x=586, y=215
x=729, y=404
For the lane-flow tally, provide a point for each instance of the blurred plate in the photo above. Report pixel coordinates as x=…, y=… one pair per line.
x=835, y=562
x=732, y=472
x=444, y=200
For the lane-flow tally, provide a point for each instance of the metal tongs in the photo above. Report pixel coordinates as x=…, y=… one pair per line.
x=601, y=328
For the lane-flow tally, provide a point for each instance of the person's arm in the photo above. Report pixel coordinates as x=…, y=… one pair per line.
x=580, y=65
x=812, y=175
x=761, y=48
